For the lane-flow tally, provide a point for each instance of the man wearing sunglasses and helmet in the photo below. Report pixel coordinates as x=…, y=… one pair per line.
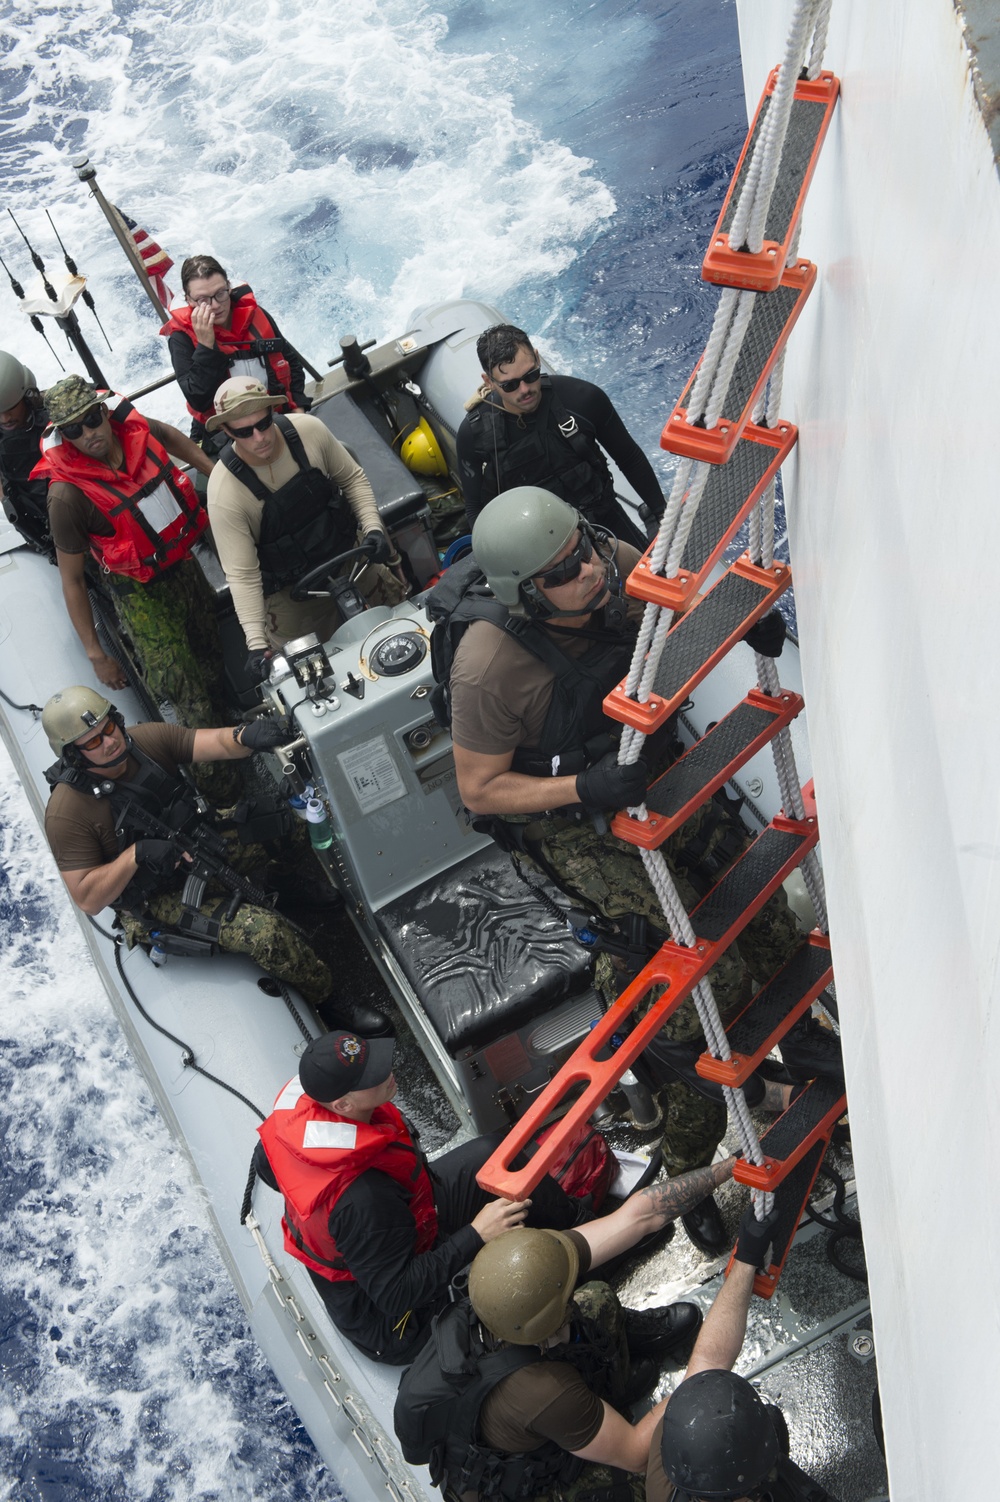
x=115, y=494
x=529, y=428
x=537, y=767
x=285, y=497
x=122, y=824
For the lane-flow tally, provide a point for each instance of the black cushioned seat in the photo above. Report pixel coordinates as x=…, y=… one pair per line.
x=397, y=492
x=483, y=955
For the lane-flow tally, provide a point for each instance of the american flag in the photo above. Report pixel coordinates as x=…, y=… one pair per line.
x=155, y=260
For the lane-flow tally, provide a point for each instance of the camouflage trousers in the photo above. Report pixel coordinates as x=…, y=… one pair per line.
x=267, y=937
x=599, y=1483
x=609, y=875
x=172, y=625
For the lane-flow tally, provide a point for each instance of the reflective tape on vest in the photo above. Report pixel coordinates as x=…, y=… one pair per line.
x=342, y=1134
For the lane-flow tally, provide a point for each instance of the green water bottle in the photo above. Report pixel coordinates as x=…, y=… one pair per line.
x=320, y=828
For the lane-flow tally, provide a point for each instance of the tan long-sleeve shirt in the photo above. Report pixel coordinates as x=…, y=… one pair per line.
x=235, y=515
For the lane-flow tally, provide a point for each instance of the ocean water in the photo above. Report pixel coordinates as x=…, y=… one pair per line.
x=351, y=162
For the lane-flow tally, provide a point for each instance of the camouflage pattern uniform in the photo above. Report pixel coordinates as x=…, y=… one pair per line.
x=269, y=939
x=609, y=875
x=171, y=623
x=599, y=1303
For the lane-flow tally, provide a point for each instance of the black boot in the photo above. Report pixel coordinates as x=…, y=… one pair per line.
x=705, y=1228
x=353, y=1017
x=662, y=1331
x=810, y=1051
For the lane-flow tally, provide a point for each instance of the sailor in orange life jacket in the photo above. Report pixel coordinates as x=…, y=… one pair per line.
x=381, y=1233
x=114, y=493
x=216, y=336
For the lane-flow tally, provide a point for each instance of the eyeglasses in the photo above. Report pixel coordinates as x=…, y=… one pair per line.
x=91, y=419
x=105, y=733
x=568, y=568
x=528, y=379
x=216, y=297
x=255, y=427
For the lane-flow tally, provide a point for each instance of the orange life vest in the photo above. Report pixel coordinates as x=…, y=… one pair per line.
x=248, y=324
x=148, y=490
x=316, y=1155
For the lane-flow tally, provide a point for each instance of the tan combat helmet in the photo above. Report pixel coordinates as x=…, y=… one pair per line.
x=521, y=1283
x=70, y=713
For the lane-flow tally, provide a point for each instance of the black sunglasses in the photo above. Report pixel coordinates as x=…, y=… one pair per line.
x=255, y=427
x=528, y=379
x=568, y=568
x=91, y=419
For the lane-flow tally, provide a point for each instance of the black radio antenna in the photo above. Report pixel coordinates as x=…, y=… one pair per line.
x=39, y=264
x=71, y=267
x=36, y=322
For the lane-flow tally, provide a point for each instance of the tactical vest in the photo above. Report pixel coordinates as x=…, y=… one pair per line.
x=304, y=522
x=168, y=798
x=576, y=729
x=316, y=1155
x=250, y=338
x=556, y=449
x=154, y=509
x=441, y=1396
x=25, y=500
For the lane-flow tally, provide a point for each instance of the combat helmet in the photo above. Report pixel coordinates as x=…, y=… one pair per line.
x=521, y=1283
x=15, y=380
x=719, y=1440
x=70, y=713
x=515, y=536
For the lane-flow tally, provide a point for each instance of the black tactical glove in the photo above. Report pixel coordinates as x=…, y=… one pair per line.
x=607, y=785
x=158, y=856
x=768, y=636
x=379, y=545
x=754, y=1237
x=262, y=735
x=259, y=664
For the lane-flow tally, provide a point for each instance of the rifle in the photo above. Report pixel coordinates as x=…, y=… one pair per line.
x=207, y=850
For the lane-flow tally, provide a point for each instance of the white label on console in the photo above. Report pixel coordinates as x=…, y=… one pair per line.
x=373, y=774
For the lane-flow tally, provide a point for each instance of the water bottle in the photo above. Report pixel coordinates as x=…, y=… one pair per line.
x=297, y=802
x=157, y=953
x=320, y=829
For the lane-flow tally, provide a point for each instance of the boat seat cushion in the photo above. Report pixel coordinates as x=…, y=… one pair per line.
x=482, y=954
x=399, y=495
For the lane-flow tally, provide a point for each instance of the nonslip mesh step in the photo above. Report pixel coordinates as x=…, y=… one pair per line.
x=771, y=322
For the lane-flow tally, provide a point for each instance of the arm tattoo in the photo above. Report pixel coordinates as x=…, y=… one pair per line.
x=774, y=1096
x=674, y=1197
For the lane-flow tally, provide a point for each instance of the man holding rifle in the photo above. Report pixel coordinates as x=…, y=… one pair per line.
x=128, y=832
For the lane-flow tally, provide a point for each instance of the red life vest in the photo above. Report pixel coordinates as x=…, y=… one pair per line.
x=138, y=549
x=316, y=1155
x=248, y=322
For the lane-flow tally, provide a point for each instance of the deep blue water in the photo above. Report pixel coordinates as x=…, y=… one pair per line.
x=563, y=162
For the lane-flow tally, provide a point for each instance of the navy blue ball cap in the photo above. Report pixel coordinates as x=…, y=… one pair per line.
x=339, y=1062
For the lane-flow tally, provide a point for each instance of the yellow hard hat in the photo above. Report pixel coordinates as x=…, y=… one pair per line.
x=421, y=452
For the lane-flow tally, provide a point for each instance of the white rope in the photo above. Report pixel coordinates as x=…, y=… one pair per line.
x=815, y=64
x=713, y=353
x=686, y=522
x=731, y=353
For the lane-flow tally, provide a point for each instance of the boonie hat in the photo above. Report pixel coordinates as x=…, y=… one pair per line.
x=238, y=395
x=70, y=398
x=339, y=1062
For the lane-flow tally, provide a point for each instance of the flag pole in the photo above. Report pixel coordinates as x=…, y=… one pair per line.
x=88, y=174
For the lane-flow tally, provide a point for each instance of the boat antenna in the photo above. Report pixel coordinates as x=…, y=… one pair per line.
x=71, y=267
x=88, y=174
x=50, y=291
x=67, y=319
x=36, y=322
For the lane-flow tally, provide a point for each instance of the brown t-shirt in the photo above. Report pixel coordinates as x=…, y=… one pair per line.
x=73, y=520
x=658, y=1488
x=500, y=692
x=548, y=1400
x=80, y=828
